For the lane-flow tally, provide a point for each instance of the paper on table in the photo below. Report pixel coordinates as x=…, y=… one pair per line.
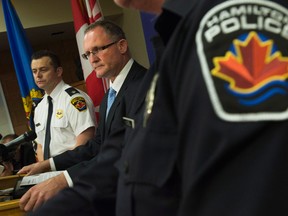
x=35, y=179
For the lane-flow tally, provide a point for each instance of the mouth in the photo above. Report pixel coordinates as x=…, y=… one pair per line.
x=96, y=66
x=40, y=82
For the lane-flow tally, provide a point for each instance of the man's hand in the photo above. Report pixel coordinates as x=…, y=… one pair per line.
x=41, y=192
x=39, y=167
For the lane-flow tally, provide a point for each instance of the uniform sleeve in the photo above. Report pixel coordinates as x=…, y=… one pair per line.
x=40, y=121
x=81, y=113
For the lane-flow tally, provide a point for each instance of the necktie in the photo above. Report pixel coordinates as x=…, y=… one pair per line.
x=111, y=98
x=48, y=132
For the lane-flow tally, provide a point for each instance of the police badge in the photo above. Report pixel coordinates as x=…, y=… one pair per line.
x=242, y=47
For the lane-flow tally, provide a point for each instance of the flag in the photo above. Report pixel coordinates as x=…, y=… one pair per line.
x=21, y=54
x=85, y=13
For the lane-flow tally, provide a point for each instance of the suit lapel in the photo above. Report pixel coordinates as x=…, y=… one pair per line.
x=131, y=75
x=102, y=113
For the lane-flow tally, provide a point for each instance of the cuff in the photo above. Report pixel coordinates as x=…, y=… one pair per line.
x=52, y=164
x=68, y=178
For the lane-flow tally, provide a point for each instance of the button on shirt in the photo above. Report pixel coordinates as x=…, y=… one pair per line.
x=67, y=122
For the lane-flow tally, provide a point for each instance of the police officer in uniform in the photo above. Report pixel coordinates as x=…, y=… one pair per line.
x=73, y=117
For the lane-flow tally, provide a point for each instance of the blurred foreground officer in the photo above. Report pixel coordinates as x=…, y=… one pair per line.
x=72, y=119
x=215, y=142
x=108, y=52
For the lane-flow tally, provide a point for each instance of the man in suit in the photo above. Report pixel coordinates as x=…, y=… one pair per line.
x=108, y=52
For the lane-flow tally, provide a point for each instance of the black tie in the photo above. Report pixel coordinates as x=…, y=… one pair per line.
x=48, y=132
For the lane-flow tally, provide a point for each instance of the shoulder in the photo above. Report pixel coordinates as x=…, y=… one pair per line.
x=137, y=72
x=138, y=67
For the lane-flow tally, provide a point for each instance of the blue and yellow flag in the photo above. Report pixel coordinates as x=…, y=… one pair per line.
x=21, y=51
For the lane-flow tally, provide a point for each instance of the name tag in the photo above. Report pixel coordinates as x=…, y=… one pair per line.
x=129, y=122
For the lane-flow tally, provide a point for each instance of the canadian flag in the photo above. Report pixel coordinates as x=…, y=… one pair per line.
x=86, y=12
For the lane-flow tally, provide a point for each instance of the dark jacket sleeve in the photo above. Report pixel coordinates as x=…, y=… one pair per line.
x=110, y=150
x=94, y=181
x=79, y=154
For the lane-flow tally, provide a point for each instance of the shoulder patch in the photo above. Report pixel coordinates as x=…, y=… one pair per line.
x=71, y=91
x=242, y=47
x=79, y=103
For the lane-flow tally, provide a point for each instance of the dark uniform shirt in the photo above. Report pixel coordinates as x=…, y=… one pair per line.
x=216, y=140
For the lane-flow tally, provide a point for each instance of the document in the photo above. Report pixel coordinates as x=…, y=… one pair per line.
x=35, y=179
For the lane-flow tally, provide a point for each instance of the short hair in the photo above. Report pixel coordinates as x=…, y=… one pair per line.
x=9, y=137
x=113, y=30
x=47, y=53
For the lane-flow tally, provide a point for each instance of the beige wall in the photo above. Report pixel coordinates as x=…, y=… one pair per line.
x=35, y=13
x=133, y=27
x=39, y=14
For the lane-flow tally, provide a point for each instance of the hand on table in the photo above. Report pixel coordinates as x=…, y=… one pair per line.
x=41, y=192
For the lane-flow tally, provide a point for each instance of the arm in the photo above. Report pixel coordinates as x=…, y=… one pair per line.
x=35, y=168
x=83, y=137
x=78, y=154
x=100, y=179
x=66, y=159
x=98, y=169
x=39, y=152
x=81, y=117
x=41, y=192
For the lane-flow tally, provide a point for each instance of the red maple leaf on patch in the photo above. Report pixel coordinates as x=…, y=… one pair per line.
x=253, y=65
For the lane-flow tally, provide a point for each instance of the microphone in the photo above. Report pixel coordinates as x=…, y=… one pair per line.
x=26, y=137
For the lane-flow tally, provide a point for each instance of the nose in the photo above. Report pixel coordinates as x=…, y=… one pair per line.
x=37, y=74
x=93, y=58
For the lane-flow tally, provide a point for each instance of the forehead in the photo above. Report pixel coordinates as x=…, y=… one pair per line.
x=41, y=62
x=96, y=36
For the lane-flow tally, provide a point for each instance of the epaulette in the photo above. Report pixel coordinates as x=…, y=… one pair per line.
x=71, y=91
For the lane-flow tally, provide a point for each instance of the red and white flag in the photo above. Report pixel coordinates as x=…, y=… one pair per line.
x=84, y=13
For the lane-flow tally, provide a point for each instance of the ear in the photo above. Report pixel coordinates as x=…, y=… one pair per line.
x=122, y=45
x=59, y=71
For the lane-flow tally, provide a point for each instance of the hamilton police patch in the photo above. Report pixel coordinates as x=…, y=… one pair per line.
x=242, y=47
x=79, y=103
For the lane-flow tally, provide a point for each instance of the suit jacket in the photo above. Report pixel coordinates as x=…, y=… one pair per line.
x=94, y=192
x=86, y=152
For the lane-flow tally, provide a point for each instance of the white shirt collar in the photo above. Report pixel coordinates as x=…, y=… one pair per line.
x=119, y=80
x=57, y=89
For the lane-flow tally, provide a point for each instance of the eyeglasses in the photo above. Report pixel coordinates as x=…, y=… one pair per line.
x=96, y=50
